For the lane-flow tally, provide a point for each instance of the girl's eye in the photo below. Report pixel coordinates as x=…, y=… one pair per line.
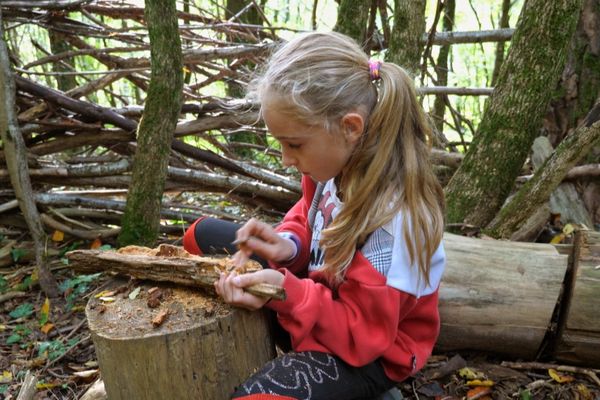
x=293, y=146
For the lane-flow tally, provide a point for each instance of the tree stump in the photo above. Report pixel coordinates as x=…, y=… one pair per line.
x=201, y=350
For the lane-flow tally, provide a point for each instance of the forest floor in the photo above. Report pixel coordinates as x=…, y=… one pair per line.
x=51, y=339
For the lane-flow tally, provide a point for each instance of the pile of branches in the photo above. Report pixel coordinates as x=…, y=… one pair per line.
x=80, y=154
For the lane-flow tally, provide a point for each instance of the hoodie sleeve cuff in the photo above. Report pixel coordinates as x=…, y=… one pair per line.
x=295, y=291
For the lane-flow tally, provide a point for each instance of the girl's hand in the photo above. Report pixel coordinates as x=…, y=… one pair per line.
x=230, y=287
x=257, y=237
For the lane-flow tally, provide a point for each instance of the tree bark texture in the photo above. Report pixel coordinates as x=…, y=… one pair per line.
x=142, y=214
x=405, y=45
x=16, y=161
x=441, y=69
x=352, y=19
x=512, y=117
x=501, y=45
x=579, y=86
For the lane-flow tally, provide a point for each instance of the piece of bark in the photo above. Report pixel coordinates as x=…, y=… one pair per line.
x=95, y=392
x=28, y=388
x=167, y=264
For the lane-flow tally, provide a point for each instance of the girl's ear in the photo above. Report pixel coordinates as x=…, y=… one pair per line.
x=353, y=125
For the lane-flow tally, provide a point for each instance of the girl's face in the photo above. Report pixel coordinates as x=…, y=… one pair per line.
x=312, y=150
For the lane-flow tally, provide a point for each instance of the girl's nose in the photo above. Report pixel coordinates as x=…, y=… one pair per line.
x=286, y=159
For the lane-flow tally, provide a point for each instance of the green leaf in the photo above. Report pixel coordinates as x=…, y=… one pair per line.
x=525, y=394
x=3, y=284
x=24, y=310
x=3, y=389
x=17, y=254
x=14, y=338
x=105, y=247
x=54, y=348
x=25, y=285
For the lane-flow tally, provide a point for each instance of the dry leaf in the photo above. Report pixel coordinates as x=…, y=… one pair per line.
x=560, y=378
x=479, y=382
x=47, y=327
x=480, y=392
x=470, y=374
x=96, y=244
x=6, y=377
x=58, y=236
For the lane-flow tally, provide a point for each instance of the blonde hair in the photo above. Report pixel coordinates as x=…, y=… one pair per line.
x=321, y=77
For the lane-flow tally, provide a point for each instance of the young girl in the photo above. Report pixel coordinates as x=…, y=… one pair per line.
x=360, y=255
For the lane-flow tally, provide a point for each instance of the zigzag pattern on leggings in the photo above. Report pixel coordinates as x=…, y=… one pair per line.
x=291, y=373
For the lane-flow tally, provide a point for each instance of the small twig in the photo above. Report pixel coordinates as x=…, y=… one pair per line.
x=79, y=325
x=563, y=368
x=12, y=295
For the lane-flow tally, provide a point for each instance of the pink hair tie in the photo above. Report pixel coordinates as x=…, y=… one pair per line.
x=374, y=67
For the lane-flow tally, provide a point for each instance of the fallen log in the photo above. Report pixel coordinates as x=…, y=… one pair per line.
x=498, y=296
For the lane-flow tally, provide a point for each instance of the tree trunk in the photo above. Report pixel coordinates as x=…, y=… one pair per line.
x=142, y=214
x=59, y=45
x=504, y=23
x=352, y=19
x=16, y=162
x=511, y=120
x=405, y=45
x=441, y=69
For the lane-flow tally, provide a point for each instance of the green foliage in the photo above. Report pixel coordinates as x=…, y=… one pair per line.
x=17, y=254
x=76, y=286
x=23, y=310
x=25, y=284
x=19, y=332
x=3, y=284
x=54, y=348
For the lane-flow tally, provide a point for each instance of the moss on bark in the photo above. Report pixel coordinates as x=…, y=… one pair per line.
x=405, y=43
x=155, y=132
x=352, y=19
x=512, y=117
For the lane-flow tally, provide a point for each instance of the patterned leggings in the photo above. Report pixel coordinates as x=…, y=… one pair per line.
x=317, y=376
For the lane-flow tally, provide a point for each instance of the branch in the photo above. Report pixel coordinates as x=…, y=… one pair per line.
x=537, y=191
x=460, y=91
x=82, y=107
x=44, y=4
x=446, y=38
